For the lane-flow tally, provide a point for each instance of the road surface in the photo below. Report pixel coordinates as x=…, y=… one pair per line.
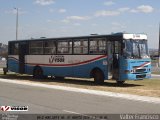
x=155, y=76
x=44, y=100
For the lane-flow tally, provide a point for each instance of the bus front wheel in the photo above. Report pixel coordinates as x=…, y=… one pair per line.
x=98, y=77
x=120, y=82
x=38, y=73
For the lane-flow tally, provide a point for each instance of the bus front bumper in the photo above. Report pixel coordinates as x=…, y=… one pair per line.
x=139, y=76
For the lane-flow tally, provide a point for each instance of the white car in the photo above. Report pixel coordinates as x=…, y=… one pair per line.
x=3, y=59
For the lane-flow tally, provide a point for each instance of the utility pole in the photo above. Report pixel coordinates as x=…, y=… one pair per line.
x=16, y=23
x=159, y=48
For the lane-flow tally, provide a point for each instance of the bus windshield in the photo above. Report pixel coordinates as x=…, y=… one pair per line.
x=136, y=49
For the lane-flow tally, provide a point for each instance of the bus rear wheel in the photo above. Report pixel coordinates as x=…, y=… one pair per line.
x=98, y=77
x=38, y=73
x=59, y=78
x=4, y=71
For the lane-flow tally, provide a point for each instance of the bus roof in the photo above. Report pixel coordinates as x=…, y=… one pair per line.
x=113, y=35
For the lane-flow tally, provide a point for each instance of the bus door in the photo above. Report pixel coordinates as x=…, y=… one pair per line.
x=114, y=59
x=118, y=62
x=110, y=58
x=22, y=53
x=122, y=62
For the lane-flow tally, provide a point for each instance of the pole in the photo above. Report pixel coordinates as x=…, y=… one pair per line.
x=16, y=23
x=159, y=48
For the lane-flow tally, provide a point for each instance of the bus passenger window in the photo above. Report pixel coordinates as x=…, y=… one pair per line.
x=98, y=46
x=13, y=48
x=64, y=47
x=36, y=47
x=49, y=47
x=80, y=46
x=117, y=47
x=102, y=46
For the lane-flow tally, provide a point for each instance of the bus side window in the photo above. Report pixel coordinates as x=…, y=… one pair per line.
x=117, y=47
x=36, y=47
x=14, y=48
x=98, y=46
x=102, y=46
x=80, y=46
x=64, y=47
x=49, y=47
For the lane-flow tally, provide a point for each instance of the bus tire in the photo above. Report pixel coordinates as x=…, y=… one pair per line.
x=120, y=82
x=98, y=76
x=4, y=71
x=38, y=73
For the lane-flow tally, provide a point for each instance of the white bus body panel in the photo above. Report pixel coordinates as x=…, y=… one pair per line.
x=135, y=36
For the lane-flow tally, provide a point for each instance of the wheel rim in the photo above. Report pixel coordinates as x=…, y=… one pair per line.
x=98, y=77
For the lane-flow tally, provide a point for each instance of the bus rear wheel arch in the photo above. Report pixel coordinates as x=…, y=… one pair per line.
x=98, y=76
x=38, y=72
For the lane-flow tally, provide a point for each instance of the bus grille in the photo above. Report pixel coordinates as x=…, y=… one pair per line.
x=140, y=70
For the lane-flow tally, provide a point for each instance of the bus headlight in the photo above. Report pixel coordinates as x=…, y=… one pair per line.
x=149, y=69
x=133, y=71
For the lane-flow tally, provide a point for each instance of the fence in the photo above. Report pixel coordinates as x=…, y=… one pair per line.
x=155, y=67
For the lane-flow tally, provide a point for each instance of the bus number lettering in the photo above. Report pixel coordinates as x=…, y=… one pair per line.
x=56, y=59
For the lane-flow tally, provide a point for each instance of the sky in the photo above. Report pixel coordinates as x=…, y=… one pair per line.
x=59, y=18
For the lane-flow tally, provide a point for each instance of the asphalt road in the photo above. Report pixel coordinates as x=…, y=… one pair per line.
x=45, y=100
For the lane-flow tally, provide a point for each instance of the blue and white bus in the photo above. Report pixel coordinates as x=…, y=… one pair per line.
x=119, y=56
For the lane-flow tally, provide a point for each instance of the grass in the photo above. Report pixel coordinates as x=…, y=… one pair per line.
x=146, y=87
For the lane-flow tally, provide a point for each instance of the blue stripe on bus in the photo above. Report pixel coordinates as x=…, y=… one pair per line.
x=13, y=65
x=73, y=71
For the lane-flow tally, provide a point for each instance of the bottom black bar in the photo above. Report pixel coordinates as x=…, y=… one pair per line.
x=79, y=116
